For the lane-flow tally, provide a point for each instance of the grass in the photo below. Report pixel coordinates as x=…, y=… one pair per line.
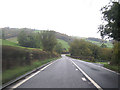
x=109, y=45
x=36, y=31
x=18, y=71
x=64, y=44
x=111, y=67
x=6, y=42
x=13, y=39
x=9, y=43
x=115, y=68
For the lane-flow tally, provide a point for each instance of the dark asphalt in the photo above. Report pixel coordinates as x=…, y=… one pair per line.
x=103, y=77
x=63, y=74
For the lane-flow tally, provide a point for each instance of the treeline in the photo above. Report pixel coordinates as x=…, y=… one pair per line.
x=13, y=32
x=88, y=51
x=14, y=56
x=96, y=39
x=45, y=40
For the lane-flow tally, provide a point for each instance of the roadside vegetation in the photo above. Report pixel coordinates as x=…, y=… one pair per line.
x=31, y=51
x=84, y=50
x=13, y=73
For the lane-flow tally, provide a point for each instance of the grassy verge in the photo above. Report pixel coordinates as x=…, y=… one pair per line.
x=111, y=67
x=115, y=68
x=18, y=71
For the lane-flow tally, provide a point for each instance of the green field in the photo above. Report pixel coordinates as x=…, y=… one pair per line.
x=6, y=42
x=13, y=39
x=64, y=44
x=9, y=43
x=36, y=31
x=109, y=45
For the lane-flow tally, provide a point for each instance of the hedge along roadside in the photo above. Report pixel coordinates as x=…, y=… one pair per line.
x=17, y=61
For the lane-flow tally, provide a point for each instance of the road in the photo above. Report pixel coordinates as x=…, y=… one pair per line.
x=66, y=73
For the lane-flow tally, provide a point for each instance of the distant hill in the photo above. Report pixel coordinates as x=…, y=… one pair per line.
x=13, y=32
x=99, y=42
x=11, y=35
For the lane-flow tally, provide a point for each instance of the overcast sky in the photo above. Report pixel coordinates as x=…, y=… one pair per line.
x=72, y=17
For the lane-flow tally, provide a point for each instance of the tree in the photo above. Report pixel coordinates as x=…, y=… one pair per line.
x=111, y=16
x=58, y=48
x=48, y=40
x=22, y=38
x=3, y=35
x=80, y=48
x=27, y=40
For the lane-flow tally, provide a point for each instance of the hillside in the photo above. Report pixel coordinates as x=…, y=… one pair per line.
x=99, y=42
x=13, y=39
x=64, y=44
x=6, y=42
x=11, y=35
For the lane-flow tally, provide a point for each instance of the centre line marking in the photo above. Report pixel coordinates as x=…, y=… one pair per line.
x=84, y=79
x=92, y=81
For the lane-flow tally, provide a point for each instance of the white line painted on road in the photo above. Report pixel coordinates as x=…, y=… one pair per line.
x=20, y=83
x=92, y=81
x=76, y=69
x=99, y=66
x=84, y=79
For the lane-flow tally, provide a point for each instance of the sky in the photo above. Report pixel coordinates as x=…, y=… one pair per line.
x=72, y=17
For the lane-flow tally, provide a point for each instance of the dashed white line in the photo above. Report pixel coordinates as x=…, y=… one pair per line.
x=92, y=81
x=76, y=69
x=84, y=79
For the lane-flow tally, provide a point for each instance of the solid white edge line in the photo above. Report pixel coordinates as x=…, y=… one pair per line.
x=20, y=83
x=92, y=81
x=101, y=67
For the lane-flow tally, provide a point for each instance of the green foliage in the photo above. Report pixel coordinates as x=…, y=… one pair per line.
x=116, y=53
x=64, y=44
x=48, y=40
x=58, y=48
x=80, y=48
x=6, y=42
x=113, y=67
x=105, y=54
x=15, y=56
x=103, y=46
x=27, y=40
x=87, y=51
x=108, y=44
x=18, y=71
x=111, y=15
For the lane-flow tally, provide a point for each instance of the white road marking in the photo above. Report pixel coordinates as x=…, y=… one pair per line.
x=20, y=83
x=84, y=79
x=76, y=69
x=92, y=81
x=100, y=67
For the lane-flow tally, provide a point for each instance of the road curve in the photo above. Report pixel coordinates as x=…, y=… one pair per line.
x=64, y=74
